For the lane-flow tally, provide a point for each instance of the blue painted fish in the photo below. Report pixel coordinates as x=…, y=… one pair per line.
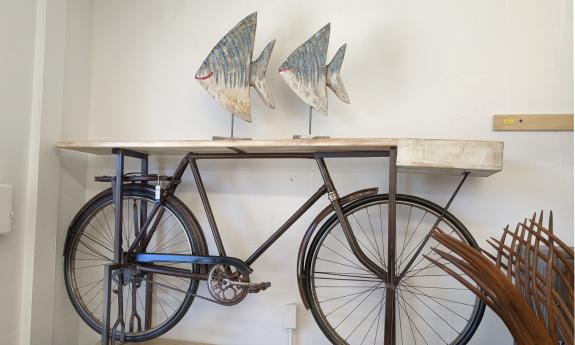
x=228, y=71
x=307, y=75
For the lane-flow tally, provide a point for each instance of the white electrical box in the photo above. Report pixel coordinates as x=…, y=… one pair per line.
x=5, y=208
x=290, y=316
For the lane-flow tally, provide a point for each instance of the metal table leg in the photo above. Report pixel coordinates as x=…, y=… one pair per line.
x=118, y=213
x=149, y=276
x=106, y=304
x=389, y=335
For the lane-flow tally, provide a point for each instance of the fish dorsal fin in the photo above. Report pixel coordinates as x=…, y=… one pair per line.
x=305, y=72
x=334, y=81
x=258, y=74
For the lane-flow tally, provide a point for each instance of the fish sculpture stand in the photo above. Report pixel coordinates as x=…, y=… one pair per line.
x=306, y=73
x=228, y=71
x=309, y=135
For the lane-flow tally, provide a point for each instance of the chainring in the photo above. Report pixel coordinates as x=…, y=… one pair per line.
x=221, y=287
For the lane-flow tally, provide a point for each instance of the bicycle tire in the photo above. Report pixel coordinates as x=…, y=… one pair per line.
x=89, y=212
x=312, y=259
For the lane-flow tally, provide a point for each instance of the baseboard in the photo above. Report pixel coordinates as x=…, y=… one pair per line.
x=164, y=342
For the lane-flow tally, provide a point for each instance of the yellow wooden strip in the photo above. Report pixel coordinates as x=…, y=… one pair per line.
x=539, y=122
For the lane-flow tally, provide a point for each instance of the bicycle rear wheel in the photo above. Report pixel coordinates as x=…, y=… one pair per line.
x=89, y=248
x=348, y=301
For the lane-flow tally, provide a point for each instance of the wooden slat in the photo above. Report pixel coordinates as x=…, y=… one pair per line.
x=526, y=122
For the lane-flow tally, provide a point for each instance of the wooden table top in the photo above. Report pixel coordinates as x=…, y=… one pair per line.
x=480, y=158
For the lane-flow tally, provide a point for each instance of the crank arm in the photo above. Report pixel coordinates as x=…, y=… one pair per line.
x=252, y=287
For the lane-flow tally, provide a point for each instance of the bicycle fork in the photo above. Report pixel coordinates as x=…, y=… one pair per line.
x=388, y=277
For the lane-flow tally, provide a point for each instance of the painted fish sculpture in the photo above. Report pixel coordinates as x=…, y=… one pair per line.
x=306, y=73
x=228, y=71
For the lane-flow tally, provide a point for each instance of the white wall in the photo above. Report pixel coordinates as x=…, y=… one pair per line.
x=17, y=37
x=36, y=112
x=412, y=69
x=73, y=172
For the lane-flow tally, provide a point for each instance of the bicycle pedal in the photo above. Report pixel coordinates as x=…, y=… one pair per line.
x=257, y=287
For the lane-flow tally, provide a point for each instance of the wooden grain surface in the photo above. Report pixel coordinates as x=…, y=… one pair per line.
x=480, y=158
x=526, y=122
x=177, y=147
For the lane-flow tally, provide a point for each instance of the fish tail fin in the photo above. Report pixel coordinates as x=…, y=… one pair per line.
x=333, y=75
x=258, y=74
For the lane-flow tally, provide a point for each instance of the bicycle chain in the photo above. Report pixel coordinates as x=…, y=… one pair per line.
x=183, y=291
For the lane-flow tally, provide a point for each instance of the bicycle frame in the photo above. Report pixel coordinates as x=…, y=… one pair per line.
x=328, y=188
x=144, y=261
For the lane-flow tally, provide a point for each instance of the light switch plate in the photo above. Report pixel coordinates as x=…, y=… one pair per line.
x=5, y=208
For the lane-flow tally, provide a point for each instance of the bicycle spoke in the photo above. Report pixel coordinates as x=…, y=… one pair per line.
x=98, y=293
x=400, y=327
x=368, y=240
x=412, y=251
x=363, y=320
x=343, y=279
x=436, y=314
x=358, y=241
x=429, y=252
x=98, y=254
x=172, y=245
x=342, y=264
x=371, y=290
x=406, y=232
x=102, y=233
x=376, y=318
x=436, y=287
x=346, y=245
x=99, y=243
x=433, y=298
x=111, y=233
x=341, y=256
x=88, y=284
x=379, y=318
x=428, y=266
x=405, y=247
x=419, y=292
x=346, y=274
x=424, y=321
x=155, y=294
x=161, y=288
x=340, y=297
x=411, y=324
x=374, y=239
x=147, y=319
x=159, y=241
x=89, y=266
x=354, y=309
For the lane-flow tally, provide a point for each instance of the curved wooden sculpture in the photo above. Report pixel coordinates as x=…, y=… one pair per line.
x=528, y=282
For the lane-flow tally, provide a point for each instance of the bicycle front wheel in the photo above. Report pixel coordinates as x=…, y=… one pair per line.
x=348, y=302
x=152, y=303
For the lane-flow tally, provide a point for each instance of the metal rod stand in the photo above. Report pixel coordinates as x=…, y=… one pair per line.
x=310, y=118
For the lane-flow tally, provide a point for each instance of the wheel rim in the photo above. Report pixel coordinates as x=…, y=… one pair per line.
x=348, y=301
x=91, y=249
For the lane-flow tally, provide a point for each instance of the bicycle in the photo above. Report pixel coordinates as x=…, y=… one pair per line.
x=364, y=281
